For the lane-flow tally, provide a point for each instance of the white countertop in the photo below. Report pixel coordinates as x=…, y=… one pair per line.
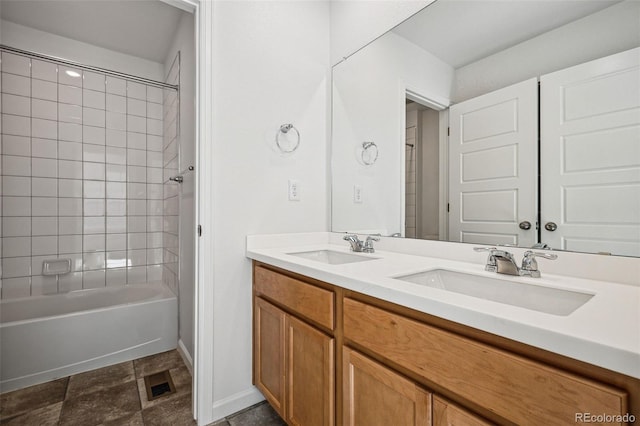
x=605, y=331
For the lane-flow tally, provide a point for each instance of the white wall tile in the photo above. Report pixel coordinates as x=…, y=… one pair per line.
x=43, y=90
x=137, y=257
x=154, y=240
x=16, y=287
x=93, y=261
x=16, y=105
x=136, y=90
x=116, y=190
x=41, y=285
x=70, y=169
x=94, y=225
x=69, y=244
x=115, y=103
x=136, y=107
x=154, y=191
x=16, y=64
x=116, y=173
x=136, y=124
x=155, y=207
x=16, y=145
x=136, y=174
x=16, y=247
x=44, y=206
x=44, y=245
x=19, y=186
x=154, y=127
x=94, y=189
x=70, y=207
x=93, y=135
x=70, y=94
x=13, y=267
x=136, y=157
x=16, y=84
x=137, y=208
x=91, y=243
x=16, y=125
x=94, y=99
x=116, y=277
x=154, y=175
x=70, y=132
x=70, y=282
x=116, y=86
x=154, y=273
x=116, y=242
x=136, y=191
x=94, y=171
x=41, y=226
x=94, y=81
x=16, y=226
x=93, y=279
x=154, y=223
x=154, y=143
x=137, y=223
x=115, y=155
x=94, y=207
x=16, y=206
x=154, y=94
x=116, y=120
x=44, y=128
x=136, y=140
x=44, y=70
x=137, y=275
x=44, y=167
x=69, y=226
x=70, y=113
x=16, y=166
x=154, y=256
x=116, y=224
x=69, y=76
x=117, y=138
x=41, y=108
x=116, y=259
x=44, y=148
x=136, y=241
x=70, y=150
x=93, y=117
x=154, y=110
x=44, y=187
x=93, y=153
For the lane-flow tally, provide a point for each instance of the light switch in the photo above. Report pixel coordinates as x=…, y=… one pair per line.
x=357, y=194
x=294, y=190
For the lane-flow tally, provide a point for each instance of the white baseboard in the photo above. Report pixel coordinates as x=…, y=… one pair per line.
x=186, y=357
x=236, y=402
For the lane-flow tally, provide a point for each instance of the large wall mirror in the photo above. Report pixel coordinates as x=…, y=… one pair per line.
x=494, y=122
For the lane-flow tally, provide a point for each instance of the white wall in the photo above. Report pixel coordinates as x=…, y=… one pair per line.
x=26, y=38
x=356, y=23
x=271, y=62
x=184, y=42
x=369, y=106
x=575, y=43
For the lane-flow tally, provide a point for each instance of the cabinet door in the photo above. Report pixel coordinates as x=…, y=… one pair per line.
x=269, y=353
x=448, y=414
x=375, y=395
x=310, y=375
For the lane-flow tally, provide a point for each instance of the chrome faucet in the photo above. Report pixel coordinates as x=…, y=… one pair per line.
x=358, y=245
x=503, y=262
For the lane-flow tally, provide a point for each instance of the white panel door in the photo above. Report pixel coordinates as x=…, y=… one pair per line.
x=590, y=156
x=493, y=161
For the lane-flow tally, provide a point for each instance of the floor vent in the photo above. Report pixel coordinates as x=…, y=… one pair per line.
x=159, y=384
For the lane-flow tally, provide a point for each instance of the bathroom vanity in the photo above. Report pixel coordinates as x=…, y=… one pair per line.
x=343, y=338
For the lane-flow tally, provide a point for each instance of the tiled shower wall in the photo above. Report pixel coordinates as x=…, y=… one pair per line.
x=82, y=178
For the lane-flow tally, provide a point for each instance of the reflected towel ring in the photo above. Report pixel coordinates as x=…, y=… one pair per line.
x=369, y=153
x=284, y=129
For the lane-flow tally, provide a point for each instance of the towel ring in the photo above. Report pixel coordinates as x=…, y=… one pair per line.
x=367, y=154
x=284, y=129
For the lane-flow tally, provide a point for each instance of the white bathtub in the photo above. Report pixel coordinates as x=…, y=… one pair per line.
x=43, y=338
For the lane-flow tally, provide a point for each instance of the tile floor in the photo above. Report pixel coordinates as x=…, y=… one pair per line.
x=116, y=396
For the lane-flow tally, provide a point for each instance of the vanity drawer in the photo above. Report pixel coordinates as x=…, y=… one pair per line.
x=310, y=301
x=515, y=388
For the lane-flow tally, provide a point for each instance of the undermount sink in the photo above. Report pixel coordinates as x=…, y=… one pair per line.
x=331, y=257
x=535, y=297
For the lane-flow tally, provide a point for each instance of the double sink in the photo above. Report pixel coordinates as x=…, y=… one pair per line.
x=535, y=297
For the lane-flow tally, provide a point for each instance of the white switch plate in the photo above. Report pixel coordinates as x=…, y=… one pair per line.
x=357, y=194
x=294, y=190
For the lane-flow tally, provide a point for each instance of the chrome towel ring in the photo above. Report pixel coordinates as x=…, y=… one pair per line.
x=369, y=153
x=285, y=129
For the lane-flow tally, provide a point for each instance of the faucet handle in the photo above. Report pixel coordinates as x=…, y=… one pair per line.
x=484, y=249
x=372, y=238
x=491, y=265
x=530, y=264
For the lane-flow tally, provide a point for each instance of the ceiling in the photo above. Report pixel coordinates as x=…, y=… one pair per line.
x=142, y=28
x=463, y=31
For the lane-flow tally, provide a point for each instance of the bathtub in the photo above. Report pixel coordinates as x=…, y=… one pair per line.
x=43, y=338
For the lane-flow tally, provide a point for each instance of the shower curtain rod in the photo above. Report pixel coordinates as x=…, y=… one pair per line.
x=89, y=67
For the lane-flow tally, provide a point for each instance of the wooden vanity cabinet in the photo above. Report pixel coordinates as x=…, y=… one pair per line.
x=294, y=360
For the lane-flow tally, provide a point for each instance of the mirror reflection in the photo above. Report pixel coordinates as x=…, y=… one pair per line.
x=513, y=123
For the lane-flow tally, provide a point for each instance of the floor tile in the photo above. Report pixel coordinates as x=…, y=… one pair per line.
x=181, y=380
x=31, y=398
x=173, y=412
x=259, y=415
x=101, y=406
x=45, y=416
x=102, y=378
x=156, y=363
x=129, y=420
